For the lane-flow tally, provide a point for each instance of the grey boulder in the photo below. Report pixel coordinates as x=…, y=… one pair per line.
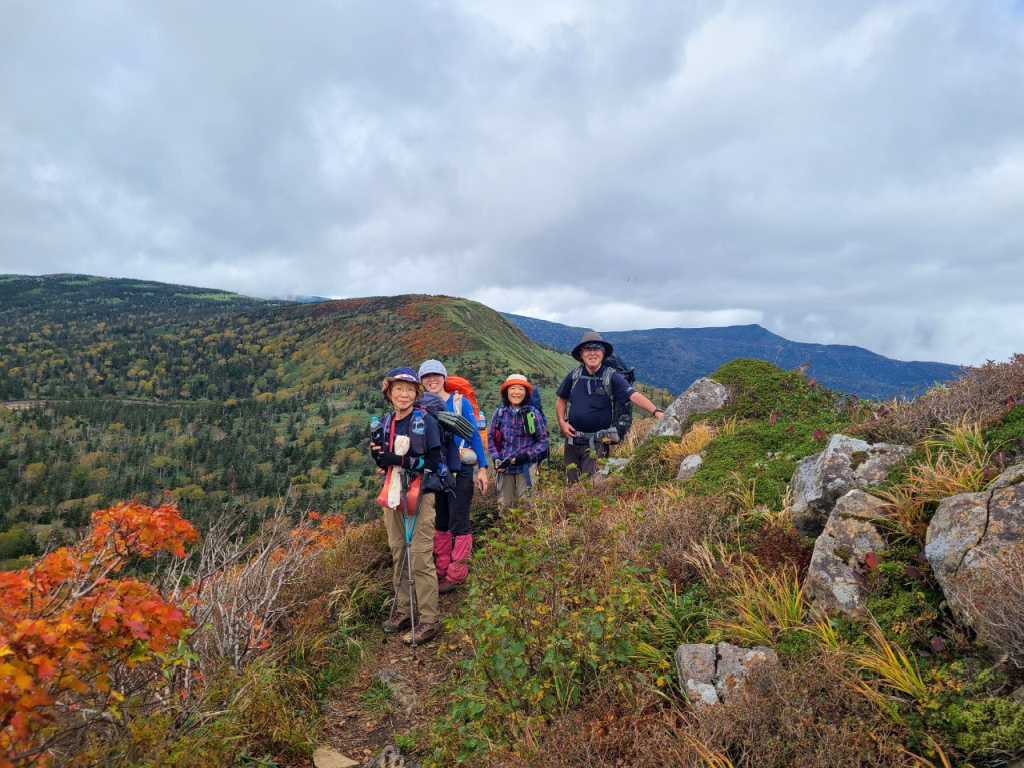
x=712, y=674
x=703, y=396
x=832, y=582
x=968, y=533
x=846, y=463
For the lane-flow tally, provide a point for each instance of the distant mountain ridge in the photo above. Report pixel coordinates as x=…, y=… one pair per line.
x=673, y=358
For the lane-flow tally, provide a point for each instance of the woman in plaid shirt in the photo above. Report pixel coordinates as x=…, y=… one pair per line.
x=517, y=437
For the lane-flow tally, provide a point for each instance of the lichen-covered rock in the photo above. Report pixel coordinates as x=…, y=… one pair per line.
x=968, y=533
x=1011, y=476
x=703, y=396
x=611, y=466
x=696, y=661
x=846, y=463
x=832, y=582
x=957, y=527
x=711, y=674
x=735, y=663
x=391, y=758
x=689, y=466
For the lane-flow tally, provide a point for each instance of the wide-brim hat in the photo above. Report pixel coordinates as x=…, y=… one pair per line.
x=519, y=379
x=591, y=337
x=407, y=375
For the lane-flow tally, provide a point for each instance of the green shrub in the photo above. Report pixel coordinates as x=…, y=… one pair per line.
x=759, y=389
x=989, y=725
x=549, y=613
x=647, y=467
x=1008, y=435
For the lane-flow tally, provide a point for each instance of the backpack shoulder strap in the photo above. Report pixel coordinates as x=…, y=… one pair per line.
x=576, y=375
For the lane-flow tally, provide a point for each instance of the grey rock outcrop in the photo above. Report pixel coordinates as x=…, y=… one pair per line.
x=391, y=758
x=711, y=674
x=689, y=466
x=703, y=396
x=849, y=535
x=611, y=466
x=846, y=463
x=970, y=530
x=401, y=690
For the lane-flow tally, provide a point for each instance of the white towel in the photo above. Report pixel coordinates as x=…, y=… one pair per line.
x=395, y=488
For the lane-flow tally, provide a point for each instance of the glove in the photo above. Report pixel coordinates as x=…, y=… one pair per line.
x=521, y=459
x=389, y=459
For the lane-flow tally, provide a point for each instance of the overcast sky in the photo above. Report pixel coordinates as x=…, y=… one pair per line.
x=839, y=172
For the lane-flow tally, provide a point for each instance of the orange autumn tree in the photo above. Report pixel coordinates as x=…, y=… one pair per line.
x=68, y=622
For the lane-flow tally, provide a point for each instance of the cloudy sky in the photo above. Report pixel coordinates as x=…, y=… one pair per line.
x=839, y=172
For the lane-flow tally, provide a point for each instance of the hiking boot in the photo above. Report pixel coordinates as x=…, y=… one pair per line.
x=424, y=633
x=397, y=622
x=448, y=586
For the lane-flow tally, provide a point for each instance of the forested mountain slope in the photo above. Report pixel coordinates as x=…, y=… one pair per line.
x=128, y=388
x=674, y=358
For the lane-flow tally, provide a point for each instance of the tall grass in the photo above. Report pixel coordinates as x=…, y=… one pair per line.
x=957, y=460
x=759, y=606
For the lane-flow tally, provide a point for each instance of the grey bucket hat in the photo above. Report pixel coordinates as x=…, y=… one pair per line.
x=591, y=337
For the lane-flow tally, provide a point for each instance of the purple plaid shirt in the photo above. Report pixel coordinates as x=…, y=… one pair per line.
x=508, y=430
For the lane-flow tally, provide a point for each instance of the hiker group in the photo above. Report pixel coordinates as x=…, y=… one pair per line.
x=434, y=453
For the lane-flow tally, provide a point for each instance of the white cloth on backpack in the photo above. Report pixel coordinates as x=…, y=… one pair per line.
x=395, y=487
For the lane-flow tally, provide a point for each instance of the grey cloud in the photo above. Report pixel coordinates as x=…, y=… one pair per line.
x=847, y=172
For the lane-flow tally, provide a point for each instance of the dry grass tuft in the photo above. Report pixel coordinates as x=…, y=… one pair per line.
x=693, y=442
x=802, y=715
x=957, y=460
x=979, y=396
x=678, y=527
x=636, y=435
x=611, y=730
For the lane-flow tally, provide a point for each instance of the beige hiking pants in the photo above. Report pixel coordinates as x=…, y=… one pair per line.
x=422, y=555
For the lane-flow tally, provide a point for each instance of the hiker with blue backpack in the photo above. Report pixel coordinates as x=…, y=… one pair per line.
x=517, y=438
x=589, y=401
x=407, y=444
x=453, y=537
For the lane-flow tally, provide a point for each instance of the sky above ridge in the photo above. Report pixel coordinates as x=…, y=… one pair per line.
x=837, y=172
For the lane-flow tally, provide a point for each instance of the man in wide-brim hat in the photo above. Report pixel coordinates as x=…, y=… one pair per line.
x=586, y=396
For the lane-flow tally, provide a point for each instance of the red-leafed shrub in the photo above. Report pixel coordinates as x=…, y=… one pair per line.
x=68, y=624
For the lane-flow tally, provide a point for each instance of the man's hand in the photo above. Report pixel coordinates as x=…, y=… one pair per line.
x=481, y=479
x=567, y=429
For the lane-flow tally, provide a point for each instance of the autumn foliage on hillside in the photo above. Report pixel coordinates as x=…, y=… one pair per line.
x=68, y=620
x=82, y=645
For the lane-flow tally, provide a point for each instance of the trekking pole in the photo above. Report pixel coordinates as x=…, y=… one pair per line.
x=409, y=528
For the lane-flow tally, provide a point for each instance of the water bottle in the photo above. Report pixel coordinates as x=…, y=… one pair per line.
x=376, y=431
x=481, y=422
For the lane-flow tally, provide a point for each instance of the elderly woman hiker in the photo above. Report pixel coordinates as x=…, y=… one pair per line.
x=453, y=538
x=517, y=438
x=407, y=444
